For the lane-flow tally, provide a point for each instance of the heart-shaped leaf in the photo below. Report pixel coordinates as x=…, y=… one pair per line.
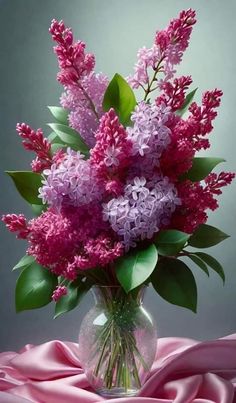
x=34, y=287
x=135, y=267
x=120, y=96
x=174, y=281
x=27, y=184
x=60, y=114
x=170, y=242
x=206, y=236
x=69, y=136
x=201, y=167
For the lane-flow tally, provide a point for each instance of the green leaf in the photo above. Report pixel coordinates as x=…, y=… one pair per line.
x=57, y=146
x=135, y=267
x=213, y=263
x=56, y=142
x=199, y=262
x=60, y=114
x=206, y=236
x=69, y=136
x=170, y=242
x=23, y=262
x=53, y=138
x=174, y=281
x=34, y=287
x=201, y=167
x=120, y=96
x=187, y=102
x=75, y=293
x=27, y=184
x=38, y=209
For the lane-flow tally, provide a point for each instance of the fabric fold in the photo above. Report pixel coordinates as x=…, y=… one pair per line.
x=185, y=371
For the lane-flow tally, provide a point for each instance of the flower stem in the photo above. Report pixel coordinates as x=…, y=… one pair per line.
x=91, y=104
x=119, y=359
x=149, y=87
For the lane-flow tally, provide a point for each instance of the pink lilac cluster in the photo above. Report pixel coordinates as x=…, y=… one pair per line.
x=166, y=52
x=173, y=93
x=112, y=151
x=35, y=141
x=69, y=241
x=16, y=223
x=73, y=181
x=197, y=198
x=143, y=209
x=84, y=90
x=74, y=63
x=132, y=183
x=174, y=40
x=189, y=135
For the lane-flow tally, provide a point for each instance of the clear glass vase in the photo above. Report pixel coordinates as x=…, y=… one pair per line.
x=117, y=342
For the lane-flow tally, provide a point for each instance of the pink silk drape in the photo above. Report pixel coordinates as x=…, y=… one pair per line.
x=184, y=371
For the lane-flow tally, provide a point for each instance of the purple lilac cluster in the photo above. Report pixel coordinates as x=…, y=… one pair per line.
x=73, y=182
x=147, y=59
x=145, y=207
x=149, y=134
x=81, y=117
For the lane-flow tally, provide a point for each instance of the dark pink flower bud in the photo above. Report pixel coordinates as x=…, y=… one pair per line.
x=16, y=223
x=59, y=292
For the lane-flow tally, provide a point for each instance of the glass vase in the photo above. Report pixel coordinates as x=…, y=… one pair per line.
x=117, y=342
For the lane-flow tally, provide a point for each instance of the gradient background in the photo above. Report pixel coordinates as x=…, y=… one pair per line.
x=113, y=30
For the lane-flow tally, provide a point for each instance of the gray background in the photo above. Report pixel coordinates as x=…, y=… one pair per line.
x=113, y=30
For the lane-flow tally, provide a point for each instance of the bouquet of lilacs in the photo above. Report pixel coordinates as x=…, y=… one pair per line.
x=116, y=187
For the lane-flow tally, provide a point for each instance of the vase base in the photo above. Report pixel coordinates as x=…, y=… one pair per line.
x=116, y=392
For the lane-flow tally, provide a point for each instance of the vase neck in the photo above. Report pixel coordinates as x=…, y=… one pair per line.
x=104, y=294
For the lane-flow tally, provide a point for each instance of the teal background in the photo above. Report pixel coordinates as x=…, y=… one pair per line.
x=113, y=30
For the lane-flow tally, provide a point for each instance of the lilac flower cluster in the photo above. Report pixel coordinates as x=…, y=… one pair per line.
x=144, y=208
x=149, y=133
x=147, y=58
x=174, y=40
x=166, y=52
x=71, y=182
x=81, y=117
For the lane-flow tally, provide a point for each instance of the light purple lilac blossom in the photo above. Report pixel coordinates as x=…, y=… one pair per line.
x=149, y=134
x=81, y=117
x=144, y=208
x=147, y=58
x=71, y=182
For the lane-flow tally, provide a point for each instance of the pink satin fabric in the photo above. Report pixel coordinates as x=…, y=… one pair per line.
x=184, y=371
